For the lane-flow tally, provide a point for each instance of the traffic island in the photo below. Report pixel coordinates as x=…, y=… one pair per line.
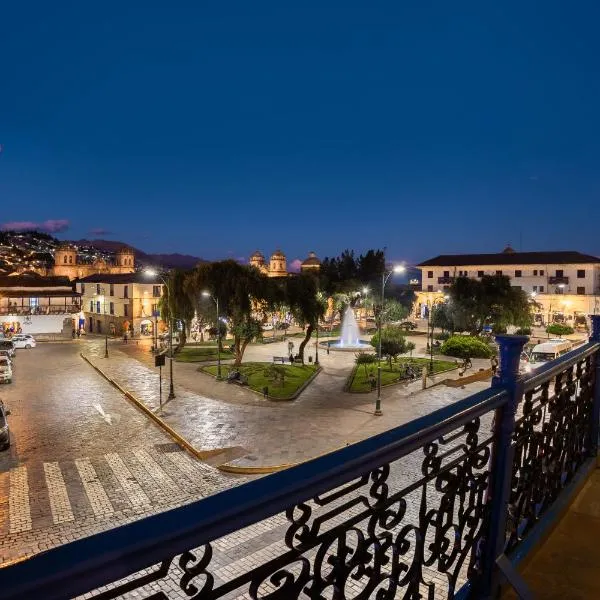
x=402, y=372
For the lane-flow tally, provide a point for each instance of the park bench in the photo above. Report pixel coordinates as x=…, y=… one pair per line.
x=281, y=359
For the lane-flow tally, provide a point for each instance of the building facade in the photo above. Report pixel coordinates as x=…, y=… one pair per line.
x=277, y=266
x=67, y=264
x=565, y=285
x=32, y=303
x=127, y=302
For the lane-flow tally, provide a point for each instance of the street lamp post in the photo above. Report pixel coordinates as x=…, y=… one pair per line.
x=434, y=303
x=165, y=280
x=384, y=279
x=103, y=292
x=215, y=299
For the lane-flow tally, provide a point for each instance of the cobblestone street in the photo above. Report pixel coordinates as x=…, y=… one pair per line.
x=82, y=457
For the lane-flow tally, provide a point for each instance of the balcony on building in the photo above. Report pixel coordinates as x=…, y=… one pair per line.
x=445, y=280
x=558, y=280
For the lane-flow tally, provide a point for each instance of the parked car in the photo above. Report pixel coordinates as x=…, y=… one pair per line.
x=23, y=341
x=8, y=346
x=5, y=370
x=4, y=430
x=6, y=354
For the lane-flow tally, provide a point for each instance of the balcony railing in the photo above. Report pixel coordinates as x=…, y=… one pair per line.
x=423, y=510
x=58, y=309
x=558, y=280
x=446, y=280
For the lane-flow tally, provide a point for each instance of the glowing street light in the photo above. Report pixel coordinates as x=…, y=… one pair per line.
x=165, y=280
x=384, y=279
x=207, y=294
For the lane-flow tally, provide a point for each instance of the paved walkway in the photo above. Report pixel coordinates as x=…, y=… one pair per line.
x=213, y=414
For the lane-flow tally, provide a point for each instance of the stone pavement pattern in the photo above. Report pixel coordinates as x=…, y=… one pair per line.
x=82, y=458
x=213, y=414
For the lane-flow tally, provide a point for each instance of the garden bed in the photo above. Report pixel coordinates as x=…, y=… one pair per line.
x=359, y=383
x=296, y=378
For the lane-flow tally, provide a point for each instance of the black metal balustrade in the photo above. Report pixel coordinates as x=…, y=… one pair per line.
x=421, y=511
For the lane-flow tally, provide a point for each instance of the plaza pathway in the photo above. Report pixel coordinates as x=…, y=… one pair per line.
x=213, y=414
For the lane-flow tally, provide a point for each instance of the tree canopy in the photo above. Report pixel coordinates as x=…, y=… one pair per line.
x=490, y=300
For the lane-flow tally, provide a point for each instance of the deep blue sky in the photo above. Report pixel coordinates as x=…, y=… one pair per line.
x=213, y=128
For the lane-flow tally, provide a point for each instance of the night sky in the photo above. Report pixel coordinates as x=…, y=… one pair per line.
x=214, y=128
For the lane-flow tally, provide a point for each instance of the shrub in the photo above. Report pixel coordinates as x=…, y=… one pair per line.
x=464, y=346
x=523, y=331
x=559, y=329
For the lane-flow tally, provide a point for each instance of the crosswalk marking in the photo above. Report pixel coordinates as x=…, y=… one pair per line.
x=93, y=488
x=63, y=492
x=57, y=494
x=163, y=482
x=18, y=503
x=130, y=486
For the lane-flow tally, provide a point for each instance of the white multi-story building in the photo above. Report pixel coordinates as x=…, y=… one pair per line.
x=119, y=303
x=31, y=303
x=564, y=284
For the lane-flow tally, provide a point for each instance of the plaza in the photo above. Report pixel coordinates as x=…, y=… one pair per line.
x=84, y=459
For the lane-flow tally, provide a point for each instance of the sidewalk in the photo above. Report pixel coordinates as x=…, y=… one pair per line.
x=213, y=415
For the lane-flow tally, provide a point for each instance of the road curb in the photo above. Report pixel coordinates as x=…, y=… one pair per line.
x=266, y=469
x=181, y=441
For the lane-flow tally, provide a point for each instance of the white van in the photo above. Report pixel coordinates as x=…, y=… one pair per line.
x=5, y=370
x=547, y=351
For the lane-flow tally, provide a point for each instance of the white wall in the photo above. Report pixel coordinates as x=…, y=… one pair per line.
x=39, y=323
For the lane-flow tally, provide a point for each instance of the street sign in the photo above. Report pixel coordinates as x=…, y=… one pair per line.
x=159, y=360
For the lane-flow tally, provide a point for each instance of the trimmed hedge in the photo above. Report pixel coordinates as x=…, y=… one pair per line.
x=558, y=329
x=465, y=346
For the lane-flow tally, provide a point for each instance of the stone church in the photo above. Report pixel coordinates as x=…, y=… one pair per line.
x=67, y=265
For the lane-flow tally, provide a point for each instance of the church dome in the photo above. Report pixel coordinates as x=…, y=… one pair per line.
x=311, y=261
x=126, y=250
x=508, y=250
x=278, y=255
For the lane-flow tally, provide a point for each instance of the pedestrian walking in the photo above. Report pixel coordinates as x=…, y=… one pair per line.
x=78, y=332
x=125, y=337
x=494, y=364
x=73, y=334
x=290, y=347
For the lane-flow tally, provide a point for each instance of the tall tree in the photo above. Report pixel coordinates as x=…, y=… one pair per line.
x=306, y=304
x=242, y=292
x=490, y=300
x=177, y=305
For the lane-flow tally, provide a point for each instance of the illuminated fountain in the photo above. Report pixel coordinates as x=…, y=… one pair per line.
x=350, y=338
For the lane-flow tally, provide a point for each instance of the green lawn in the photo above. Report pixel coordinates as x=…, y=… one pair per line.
x=295, y=377
x=200, y=354
x=360, y=383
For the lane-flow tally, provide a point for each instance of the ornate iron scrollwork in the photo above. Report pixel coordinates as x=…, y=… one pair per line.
x=552, y=438
x=412, y=528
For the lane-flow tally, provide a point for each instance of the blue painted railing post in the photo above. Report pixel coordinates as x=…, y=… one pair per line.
x=595, y=337
x=508, y=379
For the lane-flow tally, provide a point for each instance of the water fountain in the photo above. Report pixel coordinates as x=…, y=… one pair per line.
x=350, y=338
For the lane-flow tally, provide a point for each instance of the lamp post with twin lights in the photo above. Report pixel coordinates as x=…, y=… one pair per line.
x=384, y=279
x=164, y=278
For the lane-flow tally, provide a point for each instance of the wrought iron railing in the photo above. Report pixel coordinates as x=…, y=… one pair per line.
x=52, y=309
x=423, y=510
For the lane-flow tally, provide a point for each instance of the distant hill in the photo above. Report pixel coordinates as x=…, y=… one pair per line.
x=170, y=261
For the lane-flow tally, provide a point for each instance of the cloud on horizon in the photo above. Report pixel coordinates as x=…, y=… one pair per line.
x=100, y=231
x=49, y=226
x=295, y=265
